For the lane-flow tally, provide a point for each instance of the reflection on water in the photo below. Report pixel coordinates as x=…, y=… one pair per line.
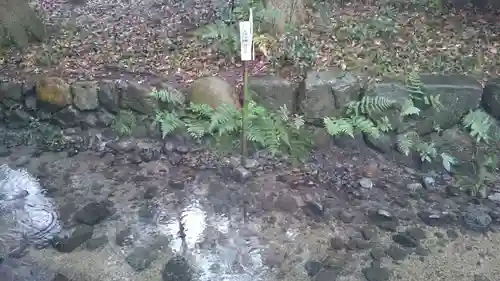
x=219, y=246
x=219, y=250
x=25, y=210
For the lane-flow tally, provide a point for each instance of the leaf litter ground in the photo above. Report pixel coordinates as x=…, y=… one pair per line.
x=141, y=39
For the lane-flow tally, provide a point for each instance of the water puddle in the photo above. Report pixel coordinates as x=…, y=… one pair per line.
x=219, y=246
x=27, y=215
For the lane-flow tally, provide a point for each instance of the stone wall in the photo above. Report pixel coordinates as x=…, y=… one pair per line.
x=95, y=103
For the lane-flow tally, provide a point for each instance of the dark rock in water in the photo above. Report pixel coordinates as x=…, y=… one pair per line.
x=313, y=267
x=151, y=192
x=416, y=233
x=176, y=184
x=178, y=269
x=73, y=152
x=141, y=258
x=435, y=218
x=241, y=174
x=96, y=243
x=357, y=243
x=429, y=182
x=376, y=274
x=452, y=234
x=4, y=152
x=314, y=208
x=124, y=237
x=94, y=212
x=368, y=233
x=337, y=243
x=396, y=253
x=477, y=219
x=60, y=277
x=37, y=152
x=384, y=215
x=79, y=236
x=421, y=251
x=377, y=253
x=346, y=216
x=385, y=220
x=328, y=274
x=405, y=240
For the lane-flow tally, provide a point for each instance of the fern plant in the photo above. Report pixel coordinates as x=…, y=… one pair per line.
x=483, y=167
x=225, y=34
x=169, y=115
x=417, y=91
x=276, y=132
x=356, y=117
x=124, y=122
x=480, y=126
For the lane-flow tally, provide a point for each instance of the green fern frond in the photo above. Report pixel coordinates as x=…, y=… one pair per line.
x=201, y=111
x=416, y=88
x=225, y=120
x=172, y=97
x=408, y=108
x=406, y=141
x=168, y=121
x=197, y=129
x=414, y=84
x=448, y=161
x=383, y=124
x=340, y=126
x=124, y=122
x=368, y=105
x=366, y=126
x=298, y=121
x=427, y=151
x=479, y=124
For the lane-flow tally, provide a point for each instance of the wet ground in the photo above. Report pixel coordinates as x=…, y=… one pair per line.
x=144, y=210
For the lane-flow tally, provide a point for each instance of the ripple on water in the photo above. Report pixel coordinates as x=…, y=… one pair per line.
x=221, y=248
x=26, y=212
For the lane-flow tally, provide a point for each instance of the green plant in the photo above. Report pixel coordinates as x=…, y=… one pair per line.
x=275, y=132
x=356, y=117
x=368, y=116
x=296, y=49
x=225, y=34
x=124, y=122
x=225, y=37
x=480, y=126
x=418, y=93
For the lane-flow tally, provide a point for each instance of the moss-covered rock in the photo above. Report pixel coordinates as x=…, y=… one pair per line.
x=54, y=91
x=213, y=91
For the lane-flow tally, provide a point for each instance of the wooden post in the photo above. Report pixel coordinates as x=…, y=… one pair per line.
x=247, y=54
x=244, y=116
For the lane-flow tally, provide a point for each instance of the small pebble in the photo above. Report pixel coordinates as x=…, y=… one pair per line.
x=366, y=183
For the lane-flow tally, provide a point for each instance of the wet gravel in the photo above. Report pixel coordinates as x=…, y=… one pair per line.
x=171, y=216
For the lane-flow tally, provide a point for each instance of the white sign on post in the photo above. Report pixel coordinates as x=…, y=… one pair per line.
x=246, y=39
